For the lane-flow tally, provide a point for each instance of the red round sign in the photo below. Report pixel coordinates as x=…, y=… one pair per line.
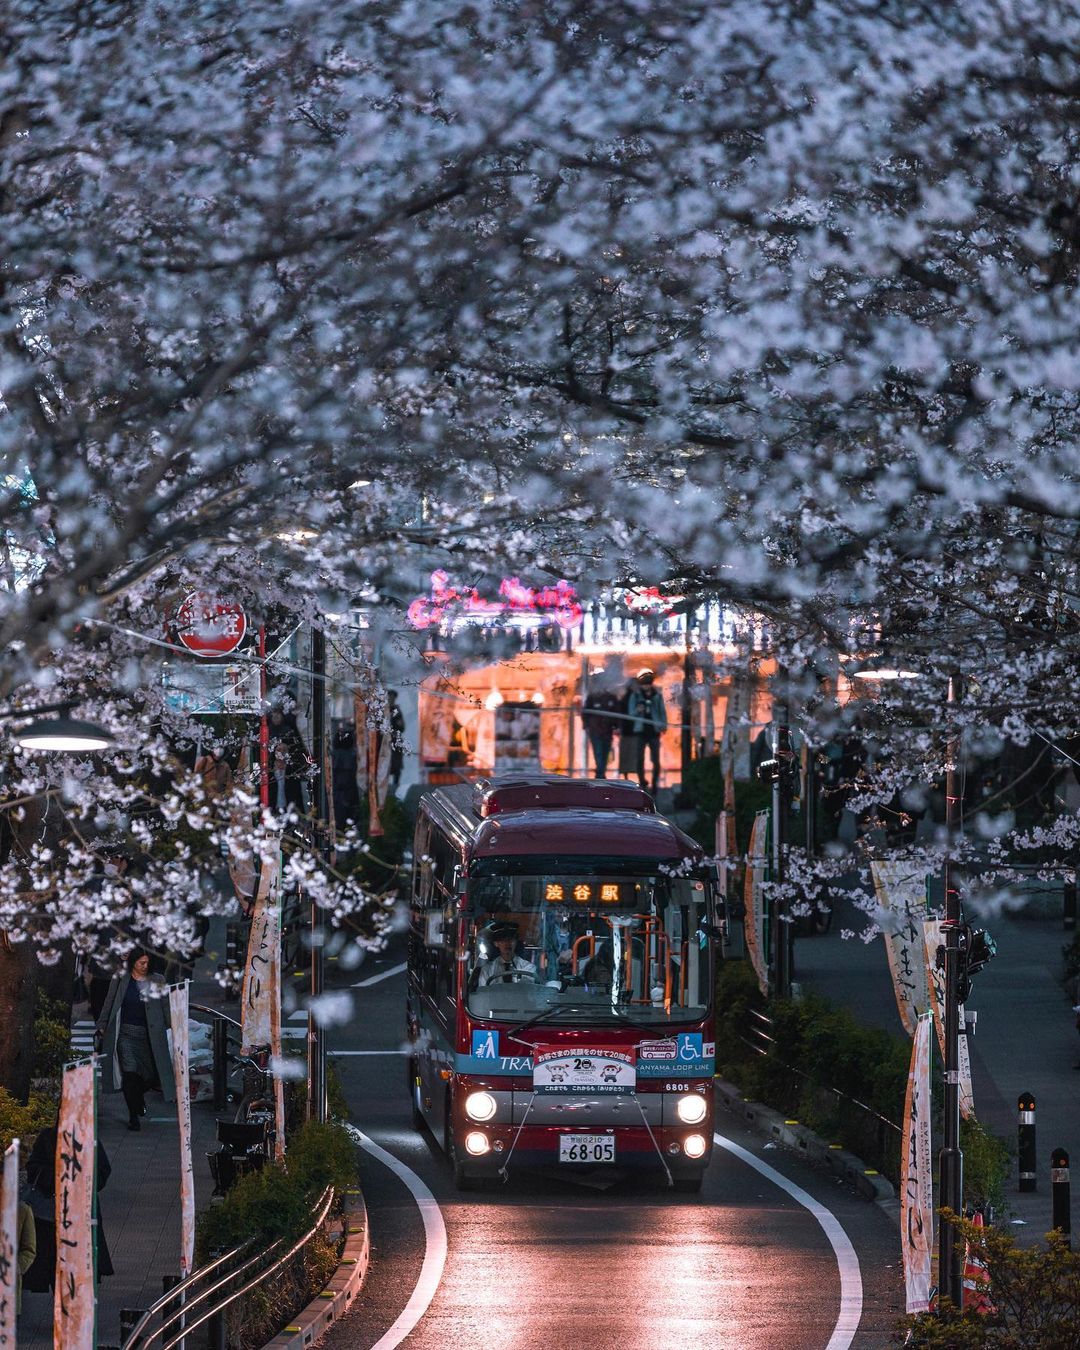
x=210, y=626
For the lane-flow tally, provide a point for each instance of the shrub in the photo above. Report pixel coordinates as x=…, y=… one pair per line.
x=52, y=1037
x=822, y=1060
x=703, y=789
x=1035, y=1293
x=25, y=1122
x=987, y=1160
x=276, y=1201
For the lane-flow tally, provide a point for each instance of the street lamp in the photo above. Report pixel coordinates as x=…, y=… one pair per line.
x=61, y=733
x=951, y=1158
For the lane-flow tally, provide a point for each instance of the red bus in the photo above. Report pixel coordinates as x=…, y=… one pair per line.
x=560, y=981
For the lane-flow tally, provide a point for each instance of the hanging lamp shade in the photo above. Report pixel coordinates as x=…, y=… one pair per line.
x=63, y=733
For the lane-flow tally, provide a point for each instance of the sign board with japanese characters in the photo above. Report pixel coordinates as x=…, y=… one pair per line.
x=603, y=1070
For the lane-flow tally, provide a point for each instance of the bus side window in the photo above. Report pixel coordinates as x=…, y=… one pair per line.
x=422, y=869
x=447, y=864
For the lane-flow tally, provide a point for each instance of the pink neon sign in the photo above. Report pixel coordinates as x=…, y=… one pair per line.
x=558, y=603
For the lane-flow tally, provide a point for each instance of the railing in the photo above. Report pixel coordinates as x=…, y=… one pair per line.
x=884, y=1133
x=189, y=1305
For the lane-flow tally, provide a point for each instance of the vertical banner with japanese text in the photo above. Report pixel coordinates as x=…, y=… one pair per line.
x=901, y=891
x=178, y=1017
x=755, y=899
x=9, y=1245
x=276, y=1066
x=76, y=1151
x=264, y=940
x=933, y=938
x=916, y=1175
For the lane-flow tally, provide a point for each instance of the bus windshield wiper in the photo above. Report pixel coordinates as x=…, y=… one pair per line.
x=548, y=1013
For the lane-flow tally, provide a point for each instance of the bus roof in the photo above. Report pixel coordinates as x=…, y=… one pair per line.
x=515, y=815
x=615, y=833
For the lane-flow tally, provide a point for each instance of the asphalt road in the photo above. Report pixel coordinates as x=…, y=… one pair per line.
x=541, y=1264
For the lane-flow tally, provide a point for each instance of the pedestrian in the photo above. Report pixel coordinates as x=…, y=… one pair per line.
x=40, y=1275
x=25, y=1248
x=215, y=771
x=628, y=741
x=132, y=1033
x=597, y=717
x=397, y=740
x=343, y=775
x=646, y=707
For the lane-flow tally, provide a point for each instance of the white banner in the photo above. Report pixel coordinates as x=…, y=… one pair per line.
x=755, y=900
x=9, y=1245
x=901, y=890
x=916, y=1175
x=76, y=1151
x=178, y=1016
x=261, y=965
x=933, y=938
x=275, y=1052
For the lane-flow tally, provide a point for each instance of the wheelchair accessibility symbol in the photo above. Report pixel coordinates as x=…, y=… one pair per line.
x=485, y=1044
x=690, y=1048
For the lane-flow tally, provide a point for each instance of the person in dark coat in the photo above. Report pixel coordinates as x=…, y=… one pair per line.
x=397, y=739
x=343, y=772
x=596, y=717
x=25, y=1248
x=40, y=1194
x=628, y=741
x=131, y=1032
x=646, y=707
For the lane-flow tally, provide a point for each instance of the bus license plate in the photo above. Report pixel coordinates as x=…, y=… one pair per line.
x=587, y=1148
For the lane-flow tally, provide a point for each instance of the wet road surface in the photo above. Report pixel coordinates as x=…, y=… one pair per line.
x=542, y=1263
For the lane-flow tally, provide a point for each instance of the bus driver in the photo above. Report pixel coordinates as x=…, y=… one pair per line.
x=507, y=967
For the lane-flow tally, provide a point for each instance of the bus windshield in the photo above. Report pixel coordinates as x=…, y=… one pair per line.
x=614, y=938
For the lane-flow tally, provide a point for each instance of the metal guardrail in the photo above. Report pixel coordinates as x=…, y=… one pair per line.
x=176, y=1308
x=762, y=1041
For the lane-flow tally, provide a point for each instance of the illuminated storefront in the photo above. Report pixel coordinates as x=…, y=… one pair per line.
x=524, y=662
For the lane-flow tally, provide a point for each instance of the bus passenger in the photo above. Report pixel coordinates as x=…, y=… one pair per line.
x=507, y=967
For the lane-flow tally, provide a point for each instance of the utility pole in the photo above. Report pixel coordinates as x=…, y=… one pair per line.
x=316, y=1041
x=951, y=1163
x=781, y=793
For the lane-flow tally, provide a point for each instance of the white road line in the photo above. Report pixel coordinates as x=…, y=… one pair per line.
x=851, y=1298
x=383, y=975
x=434, y=1243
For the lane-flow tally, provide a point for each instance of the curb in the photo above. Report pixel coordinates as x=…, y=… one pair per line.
x=803, y=1141
x=344, y=1285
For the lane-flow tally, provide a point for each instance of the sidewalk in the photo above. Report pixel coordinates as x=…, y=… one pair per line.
x=1025, y=1039
x=140, y=1205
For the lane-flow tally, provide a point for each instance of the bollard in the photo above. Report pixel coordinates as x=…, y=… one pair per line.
x=221, y=1063
x=169, y=1282
x=1060, y=1199
x=1026, y=1152
x=129, y=1318
x=1068, y=914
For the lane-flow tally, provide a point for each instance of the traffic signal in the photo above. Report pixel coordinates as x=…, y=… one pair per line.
x=976, y=948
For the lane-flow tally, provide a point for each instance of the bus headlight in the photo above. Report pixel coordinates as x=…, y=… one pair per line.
x=482, y=1106
x=477, y=1143
x=692, y=1109
x=694, y=1145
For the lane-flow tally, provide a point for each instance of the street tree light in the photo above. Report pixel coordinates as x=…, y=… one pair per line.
x=951, y=1158
x=63, y=733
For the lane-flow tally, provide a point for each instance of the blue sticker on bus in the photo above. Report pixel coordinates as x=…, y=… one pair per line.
x=485, y=1044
